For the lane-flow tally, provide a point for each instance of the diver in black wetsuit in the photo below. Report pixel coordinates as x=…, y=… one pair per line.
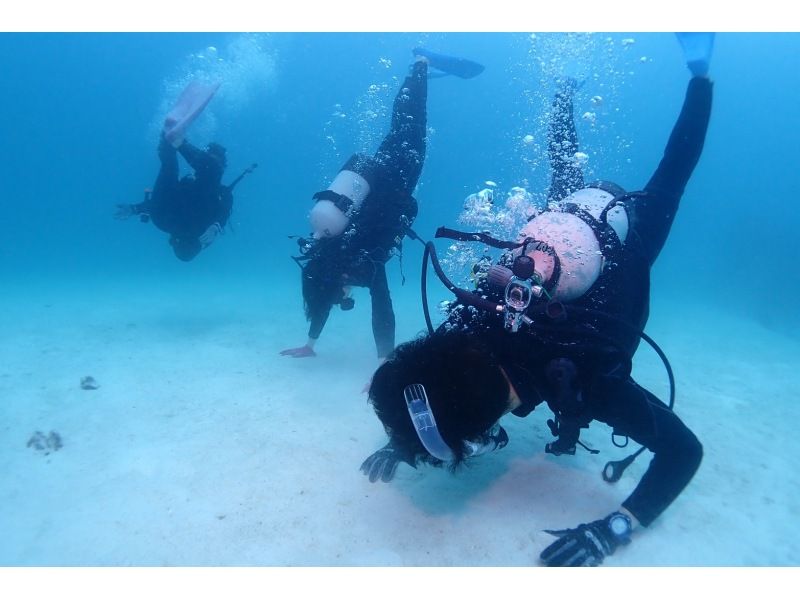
x=440, y=397
x=360, y=220
x=376, y=193
x=194, y=209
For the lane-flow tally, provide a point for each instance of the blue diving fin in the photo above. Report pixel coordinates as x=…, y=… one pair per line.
x=697, y=49
x=450, y=65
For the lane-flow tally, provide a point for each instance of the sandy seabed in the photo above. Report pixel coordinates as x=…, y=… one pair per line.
x=203, y=447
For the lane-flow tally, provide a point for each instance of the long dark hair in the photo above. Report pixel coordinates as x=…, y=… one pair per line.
x=467, y=390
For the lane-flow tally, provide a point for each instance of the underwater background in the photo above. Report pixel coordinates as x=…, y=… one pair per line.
x=85, y=294
x=82, y=111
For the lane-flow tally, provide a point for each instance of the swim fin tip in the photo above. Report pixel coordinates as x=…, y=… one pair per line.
x=451, y=65
x=697, y=48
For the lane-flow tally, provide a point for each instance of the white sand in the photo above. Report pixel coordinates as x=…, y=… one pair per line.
x=204, y=447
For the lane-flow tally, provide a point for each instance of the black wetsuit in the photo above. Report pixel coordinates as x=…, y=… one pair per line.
x=186, y=207
x=599, y=347
x=358, y=256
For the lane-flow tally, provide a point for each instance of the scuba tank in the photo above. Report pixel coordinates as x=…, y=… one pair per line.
x=335, y=206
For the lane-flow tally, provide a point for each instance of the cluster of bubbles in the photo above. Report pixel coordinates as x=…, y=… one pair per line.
x=489, y=212
x=245, y=68
x=363, y=125
x=603, y=65
x=366, y=122
x=330, y=131
x=373, y=109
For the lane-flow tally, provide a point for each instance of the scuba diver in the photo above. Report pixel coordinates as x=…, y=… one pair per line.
x=359, y=222
x=557, y=321
x=194, y=210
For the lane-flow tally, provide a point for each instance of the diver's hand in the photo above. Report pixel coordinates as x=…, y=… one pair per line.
x=211, y=234
x=124, y=211
x=304, y=351
x=382, y=464
x=589, y=543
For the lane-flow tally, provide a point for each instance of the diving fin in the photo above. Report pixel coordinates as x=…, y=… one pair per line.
x=192, y=101
x=450, y=65
x=697, y=49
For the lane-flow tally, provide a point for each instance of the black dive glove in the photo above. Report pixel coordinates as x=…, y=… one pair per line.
x=383, y=463
x=589, y=543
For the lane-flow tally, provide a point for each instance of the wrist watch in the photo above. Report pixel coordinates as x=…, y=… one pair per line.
x=620, y=526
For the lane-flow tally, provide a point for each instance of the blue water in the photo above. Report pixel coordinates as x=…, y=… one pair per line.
x=81, y=116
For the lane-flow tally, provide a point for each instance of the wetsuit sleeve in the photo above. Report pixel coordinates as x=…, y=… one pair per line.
x=653, y=211
x=143, y=207
x=686, y=141
x=562, y=143
x=383, y=320
x=634, y=412
x=318, y=320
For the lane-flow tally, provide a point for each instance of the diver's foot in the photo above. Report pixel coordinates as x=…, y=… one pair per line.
x=448, y=65
x=697, y=49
